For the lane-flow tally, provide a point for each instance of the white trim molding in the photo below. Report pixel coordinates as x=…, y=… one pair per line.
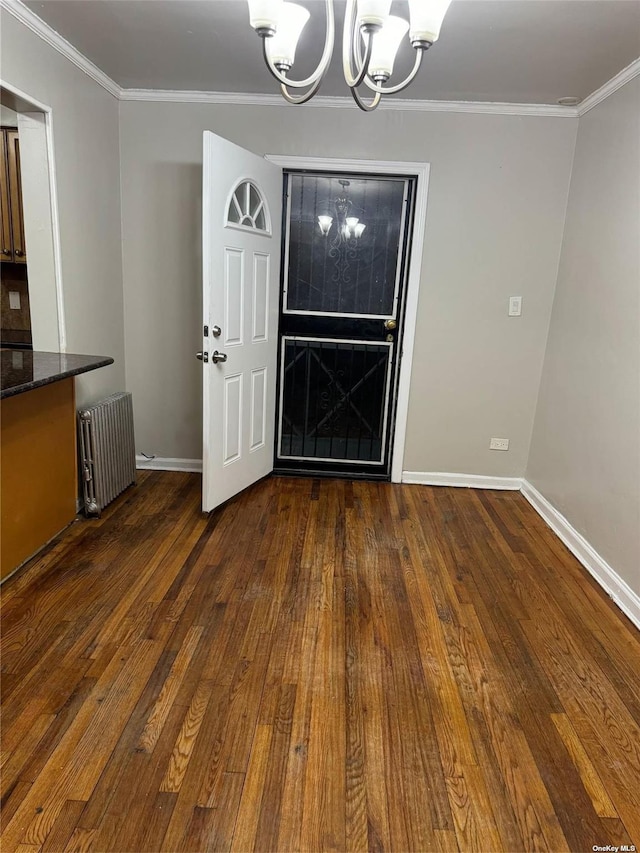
x=342, y=102
x=26, y=104
x=625, y=76
x=469, y=481
x=618, y=590
x=167, y=463
x=23, y=14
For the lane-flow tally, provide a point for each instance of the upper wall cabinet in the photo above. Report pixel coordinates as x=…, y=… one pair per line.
x=12, y=245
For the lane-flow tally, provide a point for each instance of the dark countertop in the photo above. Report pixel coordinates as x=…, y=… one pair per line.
x=24, y=370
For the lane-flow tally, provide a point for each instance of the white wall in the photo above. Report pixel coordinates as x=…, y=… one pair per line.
x=497, y=201
x=585, y=454
x=85, y=129
x=8, y=117
x=47, y=316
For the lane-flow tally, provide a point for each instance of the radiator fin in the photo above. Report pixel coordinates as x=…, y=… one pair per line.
x=107, y=450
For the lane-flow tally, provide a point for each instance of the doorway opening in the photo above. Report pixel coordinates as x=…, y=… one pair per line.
x=15, y=328
x=33, y=317
x=345, y=267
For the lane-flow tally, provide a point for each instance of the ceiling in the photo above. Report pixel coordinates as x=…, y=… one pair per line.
x=510, y=51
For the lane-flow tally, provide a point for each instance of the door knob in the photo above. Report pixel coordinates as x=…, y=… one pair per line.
x=218, y=356
x=203, y=356
x=390, y=325
x=216, y=331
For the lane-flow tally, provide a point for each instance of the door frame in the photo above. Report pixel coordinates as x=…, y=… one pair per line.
x=408, y=169
x=42, y=218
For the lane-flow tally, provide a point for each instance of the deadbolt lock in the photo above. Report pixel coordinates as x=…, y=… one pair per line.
x=390, y=325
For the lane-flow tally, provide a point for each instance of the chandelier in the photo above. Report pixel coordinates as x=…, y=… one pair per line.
x=342, y=231
x=370, y=41
x=348, y=227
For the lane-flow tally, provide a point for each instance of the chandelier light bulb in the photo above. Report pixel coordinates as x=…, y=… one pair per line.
x=373, y=13
x=385, y=47
x=352, y=222
x=359, y=229
x=264, y=15
x=325, y=223
x=281, y=49
x=426, y=20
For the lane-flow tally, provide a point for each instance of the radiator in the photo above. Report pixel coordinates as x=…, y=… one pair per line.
x=107, y=450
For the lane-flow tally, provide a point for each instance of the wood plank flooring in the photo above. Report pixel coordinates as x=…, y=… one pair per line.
x=318, y=665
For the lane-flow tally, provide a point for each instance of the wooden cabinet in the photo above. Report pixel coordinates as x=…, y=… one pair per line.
x=12, y=245
x=6, y=248
x=38, y=480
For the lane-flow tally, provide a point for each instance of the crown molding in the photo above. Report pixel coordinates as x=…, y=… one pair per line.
x=326, y=102
x=30, y=20
x=627, y=74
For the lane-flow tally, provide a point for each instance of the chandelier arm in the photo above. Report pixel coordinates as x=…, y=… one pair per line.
x=321, y=70
x=362, y=104
x=389, y=90
x=350, y=52
x=356, y=81
x=300, y=99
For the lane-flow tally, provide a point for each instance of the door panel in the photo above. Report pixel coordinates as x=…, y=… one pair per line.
x=261, y=275
x=242, y=212
x=334, y=399
x=233, y=296
x=232, y=418
x=341, y=321
x=338, y=273
x=258, y=407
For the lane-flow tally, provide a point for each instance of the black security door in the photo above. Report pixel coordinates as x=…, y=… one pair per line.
x=344, y=270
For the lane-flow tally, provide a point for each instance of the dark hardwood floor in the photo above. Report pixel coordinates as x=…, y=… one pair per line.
x=318, y=665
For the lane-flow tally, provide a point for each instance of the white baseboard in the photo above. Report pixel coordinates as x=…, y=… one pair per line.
x=470, y=481
x=166, y=463
x=627, y=600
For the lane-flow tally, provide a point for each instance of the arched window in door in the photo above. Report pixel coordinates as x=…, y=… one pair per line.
x=248, y=208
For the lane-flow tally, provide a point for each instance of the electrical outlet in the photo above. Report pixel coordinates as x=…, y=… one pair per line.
x=14, y=300
x=499, y=444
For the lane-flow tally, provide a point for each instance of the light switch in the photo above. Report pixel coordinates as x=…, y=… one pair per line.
x=515, y=306
x=14, y=299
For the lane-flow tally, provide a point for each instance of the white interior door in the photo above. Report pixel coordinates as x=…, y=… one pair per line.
x=241, y=227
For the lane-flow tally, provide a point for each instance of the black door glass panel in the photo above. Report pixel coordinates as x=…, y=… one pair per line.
x=338, y=266
x=333, y=400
